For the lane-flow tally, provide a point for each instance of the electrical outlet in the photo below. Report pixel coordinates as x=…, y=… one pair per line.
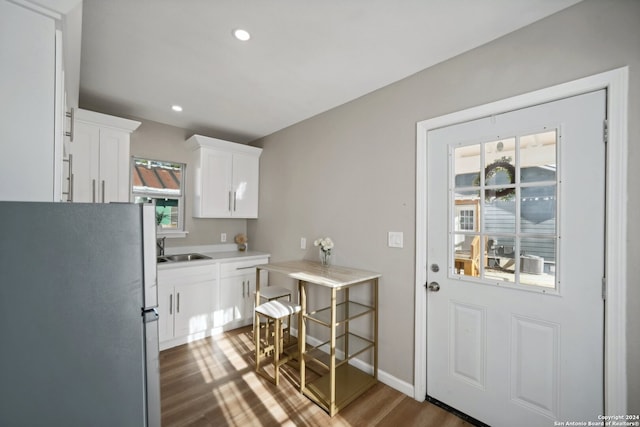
x=303, y=243
x=223, y=237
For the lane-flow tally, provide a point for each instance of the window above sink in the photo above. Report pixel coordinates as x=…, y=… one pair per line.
x=160, y=183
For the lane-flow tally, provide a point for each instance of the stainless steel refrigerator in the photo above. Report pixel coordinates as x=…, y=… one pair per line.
x=78, y=329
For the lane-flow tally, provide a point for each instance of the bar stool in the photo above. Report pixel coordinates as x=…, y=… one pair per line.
x=270, y=293
x=274, y=311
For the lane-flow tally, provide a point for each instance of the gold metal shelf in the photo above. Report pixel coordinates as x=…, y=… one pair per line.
x=353, y=382
x=356, y=346
x=345, y=311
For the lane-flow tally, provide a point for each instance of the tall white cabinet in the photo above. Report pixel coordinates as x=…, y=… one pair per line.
x=101, y=157
x=31, y=86
x=226, y=178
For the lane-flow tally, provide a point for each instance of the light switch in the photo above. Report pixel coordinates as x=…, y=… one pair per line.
x=396, y=239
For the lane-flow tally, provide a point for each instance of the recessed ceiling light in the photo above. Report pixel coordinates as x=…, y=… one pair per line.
x=242, y=35
x=176, y=108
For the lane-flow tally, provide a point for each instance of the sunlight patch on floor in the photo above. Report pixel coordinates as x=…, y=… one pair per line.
x=229, y=392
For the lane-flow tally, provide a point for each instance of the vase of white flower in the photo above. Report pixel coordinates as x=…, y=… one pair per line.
x=325, y=244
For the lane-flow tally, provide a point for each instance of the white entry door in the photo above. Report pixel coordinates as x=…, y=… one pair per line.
x=515, y=240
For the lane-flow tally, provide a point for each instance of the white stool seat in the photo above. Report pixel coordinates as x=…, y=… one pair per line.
x=274, y=292
x=278, y=309
x=275, y=311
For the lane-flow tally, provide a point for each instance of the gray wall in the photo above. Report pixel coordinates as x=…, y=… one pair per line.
x=158, y=141
x=349, y=173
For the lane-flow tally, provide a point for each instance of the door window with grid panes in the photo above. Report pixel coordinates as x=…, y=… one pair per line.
x=513, y=183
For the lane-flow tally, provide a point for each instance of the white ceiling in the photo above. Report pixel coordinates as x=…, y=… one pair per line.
x=141, y=56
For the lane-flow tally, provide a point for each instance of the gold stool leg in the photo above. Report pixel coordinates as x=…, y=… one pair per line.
x=276, y=351
x=256, y=338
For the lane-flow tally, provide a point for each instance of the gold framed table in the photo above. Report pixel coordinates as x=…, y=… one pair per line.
x=340, y=381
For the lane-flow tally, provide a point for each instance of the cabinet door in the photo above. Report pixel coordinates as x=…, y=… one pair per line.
x=193, y=303
x=250, y=297
x=232, y=295
x=85, y=149
x=27, y=67
x=114, y=166
x=213, y=195
x=246, y=176
x=166, y=307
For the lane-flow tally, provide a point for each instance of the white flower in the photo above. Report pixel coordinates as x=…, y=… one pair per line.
x=325, y=243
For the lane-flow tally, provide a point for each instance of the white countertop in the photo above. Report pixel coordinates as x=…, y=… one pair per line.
x=217, y=253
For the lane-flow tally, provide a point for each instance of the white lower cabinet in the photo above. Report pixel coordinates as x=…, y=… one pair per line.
x=186, y=303
x=196, y=300
x=237, y=289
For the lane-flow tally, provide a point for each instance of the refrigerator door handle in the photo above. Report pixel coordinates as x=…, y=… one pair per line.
x=150, y=314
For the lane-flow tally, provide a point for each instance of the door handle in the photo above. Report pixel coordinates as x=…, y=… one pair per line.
x=433, y=286
x=171, y=304
x=103, y=191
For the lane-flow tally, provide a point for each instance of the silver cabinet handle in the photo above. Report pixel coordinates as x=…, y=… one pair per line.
x=69, y=191
x=93, y=189
x=72, y=115
x=103, y=191
x=178, y=303
x=70, y=195
x=71, y=188
x=235, y=200
x=171, y=304
x=229, y=200
x=243, y=289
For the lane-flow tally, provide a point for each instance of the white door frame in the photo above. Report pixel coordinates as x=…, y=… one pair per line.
x=616, y=82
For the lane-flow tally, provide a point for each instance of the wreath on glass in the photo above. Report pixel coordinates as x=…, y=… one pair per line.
x=502, y=165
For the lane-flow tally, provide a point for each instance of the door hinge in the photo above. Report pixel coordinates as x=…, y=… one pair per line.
x=604, y=288
x=605, y=131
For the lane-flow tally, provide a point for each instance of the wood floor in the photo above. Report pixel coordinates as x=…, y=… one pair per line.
x=212, y=382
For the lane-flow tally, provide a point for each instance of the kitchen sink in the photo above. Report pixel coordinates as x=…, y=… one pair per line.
x=182, y=257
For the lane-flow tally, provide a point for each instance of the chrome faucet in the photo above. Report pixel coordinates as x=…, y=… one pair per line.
x=160, y=242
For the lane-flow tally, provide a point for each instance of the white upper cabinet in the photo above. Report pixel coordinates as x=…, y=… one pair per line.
x=101, y=160
x=226, y=178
